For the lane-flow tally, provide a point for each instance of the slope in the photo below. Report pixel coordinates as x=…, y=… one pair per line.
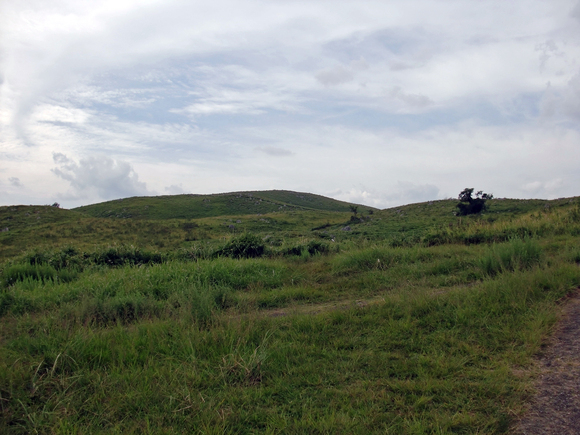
x=200, y=206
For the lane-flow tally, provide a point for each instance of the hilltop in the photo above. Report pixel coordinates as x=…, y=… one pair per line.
x=191, y=206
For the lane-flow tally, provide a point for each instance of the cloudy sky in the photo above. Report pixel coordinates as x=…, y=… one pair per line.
x=376, y=102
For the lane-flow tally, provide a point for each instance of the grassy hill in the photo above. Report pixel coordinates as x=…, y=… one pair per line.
x=24, y=228
x=409, y=320
x=223, y=204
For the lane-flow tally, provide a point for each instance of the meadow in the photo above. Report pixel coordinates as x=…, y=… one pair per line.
x=300, y=320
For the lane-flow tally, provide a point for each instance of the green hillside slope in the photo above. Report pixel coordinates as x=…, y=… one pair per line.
x=24, y=228
x=224, y=204
x=410, y=320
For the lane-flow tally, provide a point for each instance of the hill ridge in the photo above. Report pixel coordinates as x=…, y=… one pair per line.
x=194, y=206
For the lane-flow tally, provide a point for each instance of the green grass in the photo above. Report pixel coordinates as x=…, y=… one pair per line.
x=226, y=204
x=418, y=363
x=427, y=323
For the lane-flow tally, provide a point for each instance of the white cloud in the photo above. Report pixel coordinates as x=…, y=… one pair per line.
x=543, y=188
x=273, y=151
x=413, y=100
x=53, y=113
x=334, y=76
x=15, y=181
x=98, y=177
x=561, y=103
x=175, y=189
x=404, y=192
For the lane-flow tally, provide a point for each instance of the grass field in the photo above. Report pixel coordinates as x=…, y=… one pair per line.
x=411, y=321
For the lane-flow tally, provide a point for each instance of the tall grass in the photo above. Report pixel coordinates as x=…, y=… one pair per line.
x=536, y=224
x=418, y=364
x=129, y=293
x=517, y=254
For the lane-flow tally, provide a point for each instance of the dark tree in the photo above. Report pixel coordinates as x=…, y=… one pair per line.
x=471, y=205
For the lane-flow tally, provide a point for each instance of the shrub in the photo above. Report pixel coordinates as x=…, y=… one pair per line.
x=66, y=258
x=471, y=205
x=574, y=215
x=245, y=246
x=122, y=255
x=293, y=250
x=315, y=247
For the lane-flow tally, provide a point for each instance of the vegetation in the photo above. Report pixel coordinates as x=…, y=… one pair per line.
x=224, y=204
x=470, y=205
x=413, y=321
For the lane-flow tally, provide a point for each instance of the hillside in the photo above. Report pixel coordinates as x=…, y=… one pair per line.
x=223, y=204
x=409, y=320
x=24, y=228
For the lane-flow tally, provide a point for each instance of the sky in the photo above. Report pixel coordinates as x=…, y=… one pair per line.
x=381, y=103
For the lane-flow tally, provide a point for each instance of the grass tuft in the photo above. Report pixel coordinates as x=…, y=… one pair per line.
x=516, y=254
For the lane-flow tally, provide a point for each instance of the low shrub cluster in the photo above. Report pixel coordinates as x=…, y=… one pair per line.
x=245, y=246
x=65, y=264
x=314, y=247
x=125, y=255
x=107, y=256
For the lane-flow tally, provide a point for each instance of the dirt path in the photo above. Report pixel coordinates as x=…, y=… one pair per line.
x=556, y=407
x=323, y=307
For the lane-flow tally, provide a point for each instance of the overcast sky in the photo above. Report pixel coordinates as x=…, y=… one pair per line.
x=376, y=102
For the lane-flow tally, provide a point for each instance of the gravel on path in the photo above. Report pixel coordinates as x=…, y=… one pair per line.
x=556, y=406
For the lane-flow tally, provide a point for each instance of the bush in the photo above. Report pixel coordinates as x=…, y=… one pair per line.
x=122, y=255
x=66, y=258
x=470, y=205
x=245, y=246
x=315, y=247
x=293, y=250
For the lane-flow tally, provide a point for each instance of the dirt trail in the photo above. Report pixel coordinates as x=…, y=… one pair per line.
x=556, y=407
x=322, y=307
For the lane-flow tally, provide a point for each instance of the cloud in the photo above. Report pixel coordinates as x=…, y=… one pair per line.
x=403, y=192
x=407, y=192
x=334, y=76
x=203, y=96
x=98, y=176
x=547, y=188
x=15, y=182
x=413, y=100
x=359, y=65
x=250, y=97
x=273, y=151
x=547, y=49
x=59, y=114
x=575, y=13
x=562, y=102
x=175, y=189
